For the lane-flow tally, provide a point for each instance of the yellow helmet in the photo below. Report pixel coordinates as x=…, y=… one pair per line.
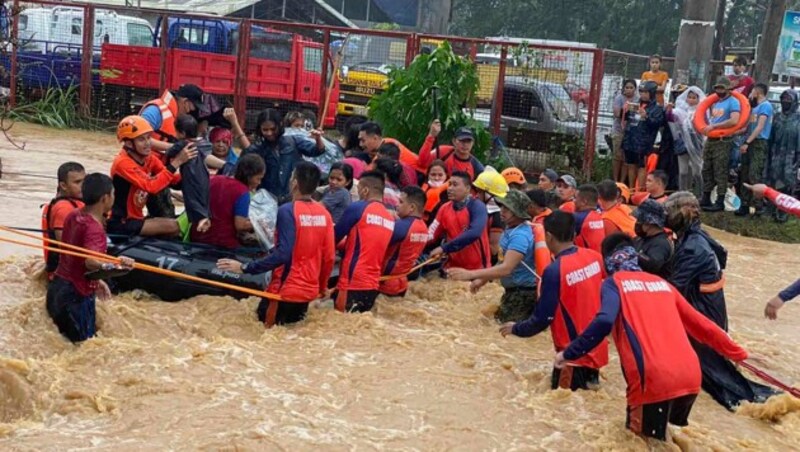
x=492, y=182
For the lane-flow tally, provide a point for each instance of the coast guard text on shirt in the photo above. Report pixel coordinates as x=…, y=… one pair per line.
x=378, y=220
x=313, y=221
x=633, y=285
x=582, y=274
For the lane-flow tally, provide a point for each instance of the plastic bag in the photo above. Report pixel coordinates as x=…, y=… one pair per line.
x=332, y=152
x=263, y=215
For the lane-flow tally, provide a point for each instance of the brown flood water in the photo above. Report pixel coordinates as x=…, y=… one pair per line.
x=426, y=373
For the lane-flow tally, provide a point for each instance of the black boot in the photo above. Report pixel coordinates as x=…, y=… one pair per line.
x=706, y=201
x=743, y=211
x=718, y=206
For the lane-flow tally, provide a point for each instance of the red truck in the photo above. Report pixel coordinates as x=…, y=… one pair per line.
x=284, y=69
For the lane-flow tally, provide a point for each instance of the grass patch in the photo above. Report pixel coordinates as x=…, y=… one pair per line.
x=57, y=108
x=760, y=228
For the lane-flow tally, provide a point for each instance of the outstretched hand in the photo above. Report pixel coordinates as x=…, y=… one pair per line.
x=758, y=190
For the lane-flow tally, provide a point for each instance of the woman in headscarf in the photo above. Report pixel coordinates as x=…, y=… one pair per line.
x=697, y=274
x=784, y=149
x=688, y=142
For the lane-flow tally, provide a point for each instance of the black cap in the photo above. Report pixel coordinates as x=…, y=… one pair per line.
x=464, y=133
x=191, y=92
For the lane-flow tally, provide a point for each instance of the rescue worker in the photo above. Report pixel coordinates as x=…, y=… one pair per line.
x=407, y=244
x=697, y=273
x=491, y=186
x=652, y=243
x=462, y=222
x=538, y=209
x=516, y=271
x=368, y=227
x=515, y=178
x=570, y=298
x=303, y=257
x=617, y=216
x=655, y=186
x=566, y=188
x=589, y=225
x=653, y=329
x=457, y=157
x=161, y=114
x=138, y=173
x=370, y=139
x=54, y=213
x=790, y=205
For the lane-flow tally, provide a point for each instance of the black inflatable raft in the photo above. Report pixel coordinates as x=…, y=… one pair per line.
x=187, y=258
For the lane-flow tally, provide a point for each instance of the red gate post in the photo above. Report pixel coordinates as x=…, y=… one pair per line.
x=326, y=60
x=87, y=54
x=497, y=111
x=595, y=90
x=12, y=99
x=163, y=67
x=412, y=48
x=242, y=65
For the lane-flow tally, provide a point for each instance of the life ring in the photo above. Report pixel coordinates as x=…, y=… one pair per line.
x=700, y=122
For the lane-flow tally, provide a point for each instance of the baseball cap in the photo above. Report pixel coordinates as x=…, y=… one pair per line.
x=517, y=202
x=550, y=174
x=723, y=82
x=464, y=133
x=569, y=180
x=191, y=92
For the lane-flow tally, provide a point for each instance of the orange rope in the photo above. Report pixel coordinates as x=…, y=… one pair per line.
x=89, y=254
x=429, y=261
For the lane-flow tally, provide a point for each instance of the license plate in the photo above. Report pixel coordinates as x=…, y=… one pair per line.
x=361, y=111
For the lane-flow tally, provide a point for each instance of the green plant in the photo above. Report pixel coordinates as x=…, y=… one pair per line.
x=57, y=108
x=406, y=108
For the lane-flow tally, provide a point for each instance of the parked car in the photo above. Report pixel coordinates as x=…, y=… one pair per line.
x=540, y=122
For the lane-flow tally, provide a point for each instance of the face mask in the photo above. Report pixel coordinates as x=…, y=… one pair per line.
x=435, y=184
x=753, y=103
x=639, y=230
x=786, y=106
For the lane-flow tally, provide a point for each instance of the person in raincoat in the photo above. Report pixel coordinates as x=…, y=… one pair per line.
x=697, y=273
x=783, y=152
x=688, y=142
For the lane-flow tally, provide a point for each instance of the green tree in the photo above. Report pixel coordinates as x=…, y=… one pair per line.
x=636, y=26
x=405, y=108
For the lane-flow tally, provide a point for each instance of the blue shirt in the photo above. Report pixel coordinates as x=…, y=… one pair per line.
x=519, y=239
x=763, y=109
x=152, y=115
x=280, y=157
x=721, y=110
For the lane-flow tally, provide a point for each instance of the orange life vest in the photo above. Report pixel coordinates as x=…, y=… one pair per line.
x=168, y=106
x=51, y=259
x=620, y=216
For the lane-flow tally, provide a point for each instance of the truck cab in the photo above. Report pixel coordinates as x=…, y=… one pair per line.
x=284, y=70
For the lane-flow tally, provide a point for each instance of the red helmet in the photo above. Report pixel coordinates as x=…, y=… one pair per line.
x=132, y=127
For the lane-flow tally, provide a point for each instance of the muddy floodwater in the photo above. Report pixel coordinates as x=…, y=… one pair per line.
x=429, y=372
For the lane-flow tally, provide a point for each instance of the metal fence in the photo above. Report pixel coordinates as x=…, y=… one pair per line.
x=541, y=101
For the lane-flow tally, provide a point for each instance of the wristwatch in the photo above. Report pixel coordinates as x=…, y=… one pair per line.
x=244, y=268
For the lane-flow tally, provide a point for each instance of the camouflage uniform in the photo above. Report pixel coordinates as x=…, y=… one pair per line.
x=716, y=157
x=753, y=162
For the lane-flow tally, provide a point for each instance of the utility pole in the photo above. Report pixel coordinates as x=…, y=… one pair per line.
x=768, y=45
x=695, y=42
x=719, y=35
